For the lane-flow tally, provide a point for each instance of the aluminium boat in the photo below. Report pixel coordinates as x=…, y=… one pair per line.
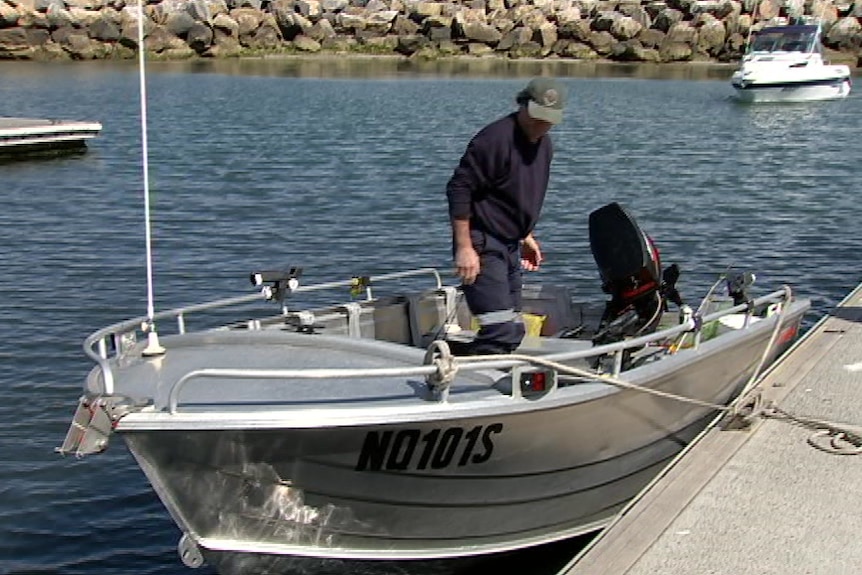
x=344, y=427
x=785, y=63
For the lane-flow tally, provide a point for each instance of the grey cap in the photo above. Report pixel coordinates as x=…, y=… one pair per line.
x=545, y=99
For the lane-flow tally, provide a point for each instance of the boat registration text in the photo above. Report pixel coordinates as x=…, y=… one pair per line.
x=436, y=448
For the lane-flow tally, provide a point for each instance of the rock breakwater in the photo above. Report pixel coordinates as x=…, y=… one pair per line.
x=620, y=30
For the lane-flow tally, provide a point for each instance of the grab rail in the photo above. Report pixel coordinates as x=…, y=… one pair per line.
x=693, y=324
x=96, y=348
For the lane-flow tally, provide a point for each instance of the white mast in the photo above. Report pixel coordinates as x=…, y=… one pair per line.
x=153, y=346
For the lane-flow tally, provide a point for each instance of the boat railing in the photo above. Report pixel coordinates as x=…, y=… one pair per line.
x=616, y=350
x=117, y=337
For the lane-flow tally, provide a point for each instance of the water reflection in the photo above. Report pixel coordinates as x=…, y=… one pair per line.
x=387, y=66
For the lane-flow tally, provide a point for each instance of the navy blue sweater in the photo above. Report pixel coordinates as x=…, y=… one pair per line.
x=500, y=182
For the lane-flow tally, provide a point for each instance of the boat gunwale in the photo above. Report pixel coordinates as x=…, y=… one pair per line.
x=262, y=416
x=692, y=324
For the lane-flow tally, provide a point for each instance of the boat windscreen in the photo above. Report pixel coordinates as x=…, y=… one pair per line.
x=789, y=39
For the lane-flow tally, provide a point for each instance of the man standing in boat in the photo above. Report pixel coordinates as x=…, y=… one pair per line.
x=495, y=197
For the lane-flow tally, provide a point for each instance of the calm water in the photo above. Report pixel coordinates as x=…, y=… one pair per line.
x=340, y=168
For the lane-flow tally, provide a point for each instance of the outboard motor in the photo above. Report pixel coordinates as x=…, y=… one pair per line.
x=630, y=269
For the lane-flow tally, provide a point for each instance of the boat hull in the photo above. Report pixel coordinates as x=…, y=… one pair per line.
x=437, y=488
x=832, y=89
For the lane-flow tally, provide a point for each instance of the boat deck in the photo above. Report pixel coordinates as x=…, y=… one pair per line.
x=26, y=135
x=244, y=372
x=761, y=500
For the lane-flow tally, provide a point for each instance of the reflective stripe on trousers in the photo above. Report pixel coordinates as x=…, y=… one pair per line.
x=495, y=297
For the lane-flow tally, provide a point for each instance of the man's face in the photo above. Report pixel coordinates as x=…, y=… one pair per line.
x=533, y=127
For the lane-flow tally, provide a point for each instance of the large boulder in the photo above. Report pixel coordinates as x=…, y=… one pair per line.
x=8, y=15
x=224, y=44
x=201, y=11
x=683, y=6
x=845, y=34
x=419, y=11
x=402, y=26
x=410, y=44
x=768, y=9
x=44, y=5
x=199, y=37
x=14, y=43
x=334, y=5
x=672, y=51
x=651, y=38
x=265, y=37
x=310, y=9
x=637, y=13
x=78, y=45
x=529, y=49
x=574, y=30
x=306, y=44
x=104, y=30
x=83, y=18
x=625, y=28
x=226, y=26
x=179, y=23
x=667, y=19
x=602, y=42
x=515, y=38
x=247, y=19
x=320, y=31
x=59, y=17
x=633, y=51
x=349, y=23
x=571, y=14
x=718, y=8
x=436, y=34
x=682, y=32
x=734, y=47
x=546, y=36
x=160, y=40
x=711, y=37
x=574, y=49
x=480, y=32
x=603, y=21
x=380, y=22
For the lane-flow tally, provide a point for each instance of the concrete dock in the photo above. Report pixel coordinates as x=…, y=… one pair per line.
x=28, y=135
x=762, y=500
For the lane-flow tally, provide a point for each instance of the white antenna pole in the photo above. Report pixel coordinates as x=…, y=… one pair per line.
x=153, y=347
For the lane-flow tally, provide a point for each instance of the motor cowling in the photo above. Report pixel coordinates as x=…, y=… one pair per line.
x=630, y=268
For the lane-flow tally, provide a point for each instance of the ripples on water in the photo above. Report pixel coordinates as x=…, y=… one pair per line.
x=266, y=163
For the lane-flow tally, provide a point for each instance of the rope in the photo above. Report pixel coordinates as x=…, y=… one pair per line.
x=439, y=355
x=448, y=318
x=577, y=372
x=842, y=439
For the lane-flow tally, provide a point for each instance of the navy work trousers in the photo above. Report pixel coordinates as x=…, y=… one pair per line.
x=495, y=297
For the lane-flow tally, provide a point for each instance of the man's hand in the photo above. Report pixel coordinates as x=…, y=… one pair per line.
x=531, y=254
x=467, y=264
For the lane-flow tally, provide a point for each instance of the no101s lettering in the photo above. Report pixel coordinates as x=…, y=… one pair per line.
x=403, y=449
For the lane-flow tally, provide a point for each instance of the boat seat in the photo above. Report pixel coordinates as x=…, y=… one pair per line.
x=407, y=320
x=550, y=302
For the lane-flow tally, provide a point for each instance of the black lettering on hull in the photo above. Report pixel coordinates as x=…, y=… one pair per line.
x=410, y=449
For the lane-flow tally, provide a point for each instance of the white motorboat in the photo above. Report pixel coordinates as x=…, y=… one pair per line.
x=349, y=431
x=785, y=64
